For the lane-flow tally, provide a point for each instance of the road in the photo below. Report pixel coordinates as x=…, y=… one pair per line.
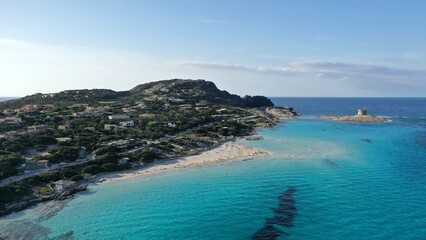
x=167, y=138
x=36, y=172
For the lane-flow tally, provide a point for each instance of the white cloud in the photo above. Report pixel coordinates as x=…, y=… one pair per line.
x=27, y=68
x=226, y=66
x=334, y=78
x=338, y=70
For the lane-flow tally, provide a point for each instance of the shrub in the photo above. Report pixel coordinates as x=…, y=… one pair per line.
x=111, y=167
x=148, y=155
x=68, y=173
x=48, y=177
x=93, y=169
x=105, y=150
x=77, y=177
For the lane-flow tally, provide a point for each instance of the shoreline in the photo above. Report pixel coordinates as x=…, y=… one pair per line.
x=226, y=152
x=355, y=118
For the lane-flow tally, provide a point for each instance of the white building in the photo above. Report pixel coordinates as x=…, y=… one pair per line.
x=172, y=125
x=39, y=128
x=11, y=120
x=175, y=100
x=109, y=126
x=114, y=117
x=362, y=112
x=127, y=124
x=123, y=160
x=44, y=163
x=64, y=185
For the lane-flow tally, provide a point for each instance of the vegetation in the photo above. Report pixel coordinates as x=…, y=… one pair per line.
x=93, y=169
x=148, y=155
x=8, y=164
x=12, y=192
x=163, y=119
x=63, y=154
x=48, y=177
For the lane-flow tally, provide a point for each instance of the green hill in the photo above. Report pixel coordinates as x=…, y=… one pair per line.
x=175, y=89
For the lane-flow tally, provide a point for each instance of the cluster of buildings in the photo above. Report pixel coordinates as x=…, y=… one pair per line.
x=29, y=108
x=130, y=123
x=39, y=128
x=11, y=120
x=89, y=111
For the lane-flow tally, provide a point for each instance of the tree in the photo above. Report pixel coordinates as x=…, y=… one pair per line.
x=48, y=177
x=63, y=153
x=68, y=173
x=148, y=155
x=105, y=150
x=93, y=169
x=111, y=167
x=77, y=177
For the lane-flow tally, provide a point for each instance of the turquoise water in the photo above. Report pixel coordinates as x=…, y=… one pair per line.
x=352, y=181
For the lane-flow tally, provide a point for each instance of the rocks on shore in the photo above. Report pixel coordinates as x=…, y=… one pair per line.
x=15, y=207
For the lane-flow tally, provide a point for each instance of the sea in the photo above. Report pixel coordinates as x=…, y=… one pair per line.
x=2, y=99
x=324, y=180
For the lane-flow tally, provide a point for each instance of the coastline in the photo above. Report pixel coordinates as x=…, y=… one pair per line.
x=226, y=152
x=355, y=118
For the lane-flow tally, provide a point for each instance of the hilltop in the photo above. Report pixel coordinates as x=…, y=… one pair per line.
x=174, y=90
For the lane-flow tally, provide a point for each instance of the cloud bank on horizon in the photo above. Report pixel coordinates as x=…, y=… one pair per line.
x=278, y=49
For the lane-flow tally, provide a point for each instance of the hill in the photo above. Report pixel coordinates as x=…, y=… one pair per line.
x=174, y=90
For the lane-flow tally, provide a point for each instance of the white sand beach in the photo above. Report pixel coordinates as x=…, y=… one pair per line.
x=229, y=151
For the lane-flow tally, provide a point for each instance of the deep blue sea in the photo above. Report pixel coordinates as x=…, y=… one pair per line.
x=325, y=180
x=6, y=98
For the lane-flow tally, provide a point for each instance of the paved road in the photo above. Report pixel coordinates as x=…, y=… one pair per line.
x=36, y=172
x=167, y=138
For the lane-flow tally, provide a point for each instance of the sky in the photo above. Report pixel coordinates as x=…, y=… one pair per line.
x=297, y=48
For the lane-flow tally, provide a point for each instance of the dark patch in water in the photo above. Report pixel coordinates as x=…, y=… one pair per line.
x=421, y=139
x=284, y=216
x=367, y=140
x=330, y=163
x=66, y=236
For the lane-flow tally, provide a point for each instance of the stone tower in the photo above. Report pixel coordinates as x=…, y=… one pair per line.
x=362, y=112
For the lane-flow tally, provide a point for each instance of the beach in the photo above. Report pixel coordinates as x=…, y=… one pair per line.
x=229, y=151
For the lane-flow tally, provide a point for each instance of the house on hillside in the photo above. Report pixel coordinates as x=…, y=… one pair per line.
x=175, y=100
x=171, y=124
x=43, y=163
x=64, y=185
x=8, y=111
x=110, y=126
x=127, y=124
x=11, y=120
x=123, y=160
x=115, y=117
x=39, y=128
x=79, y=105
x=64, y=127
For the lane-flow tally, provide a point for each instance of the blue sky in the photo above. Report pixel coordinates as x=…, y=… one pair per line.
x=273, y=48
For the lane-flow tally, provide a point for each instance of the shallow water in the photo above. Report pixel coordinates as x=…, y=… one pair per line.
x=347, y=181
x=353, y=181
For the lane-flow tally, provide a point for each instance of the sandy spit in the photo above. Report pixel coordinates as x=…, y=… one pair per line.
x=230, y=151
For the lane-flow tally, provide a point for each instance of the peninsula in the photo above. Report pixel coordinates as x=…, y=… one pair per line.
x=52, y=145
x=362, y=116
